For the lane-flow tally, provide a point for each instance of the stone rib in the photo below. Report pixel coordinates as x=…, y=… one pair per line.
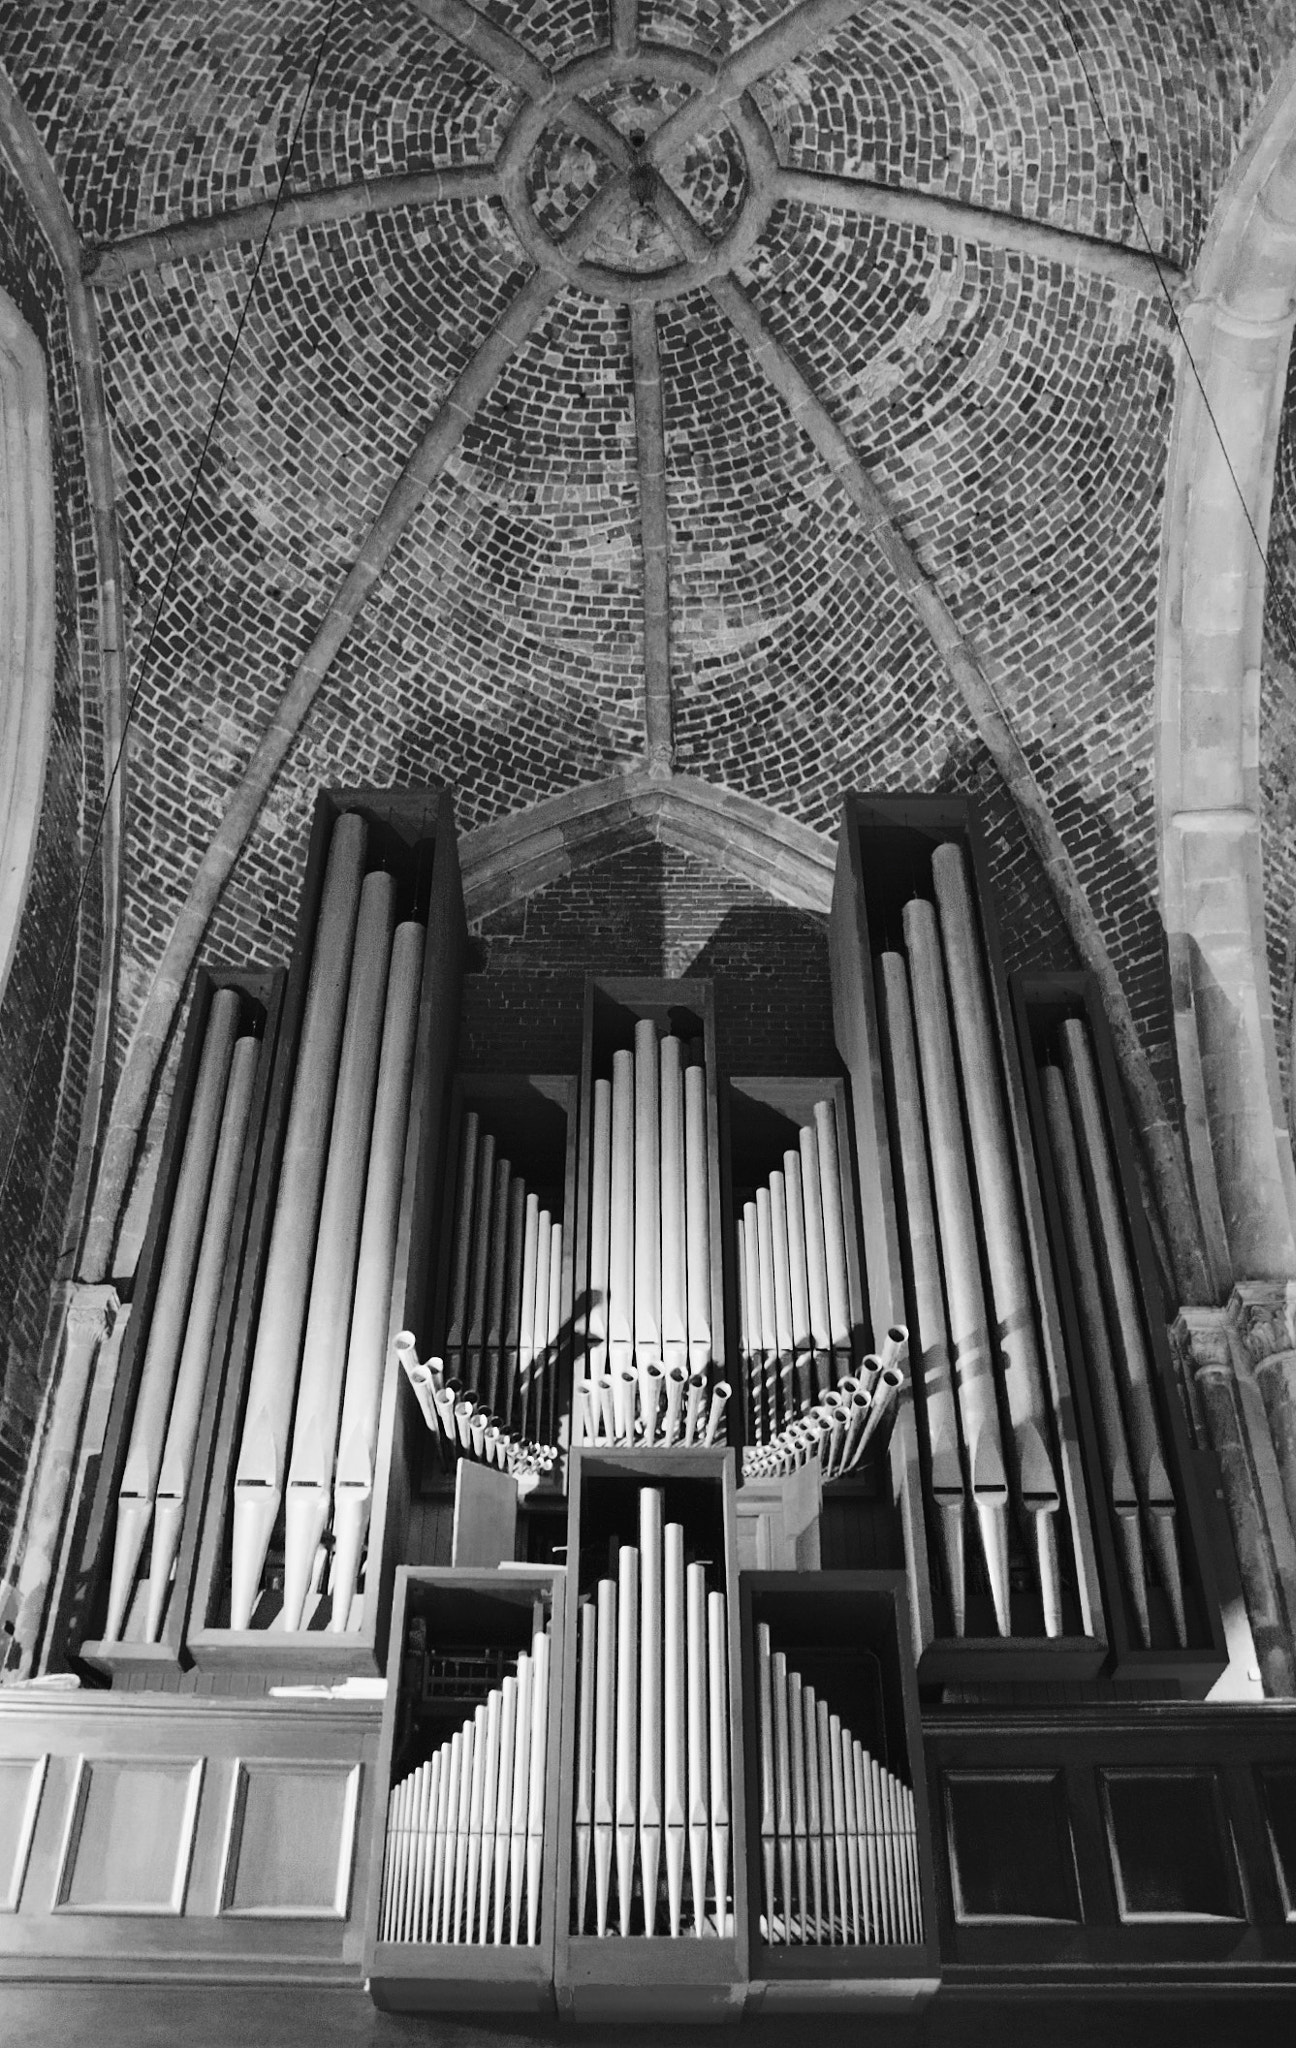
x=984, y=225
x=655, y=537
x=191, y=241
x=800, y=29
x=453, y=417
x=1161, y=1140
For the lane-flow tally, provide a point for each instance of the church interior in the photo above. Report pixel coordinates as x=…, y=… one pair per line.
x=647, y=977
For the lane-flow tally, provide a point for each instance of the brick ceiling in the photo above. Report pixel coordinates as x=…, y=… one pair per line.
x=1009, y=394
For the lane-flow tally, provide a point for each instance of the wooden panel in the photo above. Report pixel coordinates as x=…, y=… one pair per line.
x=1278, y=1797
x=22, y=1780
x=1010, y=1847
x=130, y=1836
x=1170, y=1847
x=290, y=1847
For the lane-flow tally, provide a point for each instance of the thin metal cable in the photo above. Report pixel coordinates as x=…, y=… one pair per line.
x=1272, y=588
x=133, y=697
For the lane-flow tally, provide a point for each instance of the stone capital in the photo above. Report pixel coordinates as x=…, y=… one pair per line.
x=92, y=1306
x=1201, y=1337
x=1260, y=1316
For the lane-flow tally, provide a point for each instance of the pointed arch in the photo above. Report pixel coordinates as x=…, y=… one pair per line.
x=511, y=858
x=1238, y=328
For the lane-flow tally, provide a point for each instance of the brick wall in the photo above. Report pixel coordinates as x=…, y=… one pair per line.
x=47, y=1012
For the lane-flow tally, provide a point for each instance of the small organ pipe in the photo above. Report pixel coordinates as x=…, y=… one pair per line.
x=782, y=1293
x=647, y=1194
x=802, y=1343
x=546, y=1424
x=497, y=1284
x=319, y=1391
x=830, y=1186
x=651, y=1564
x=698, y=1217
x=1085, y=1265
x=1007, y=1255
x=584, y=1798
x=479, y=1279
x=627, y=1728
x=718, y=1746
x=490, y=1809
x=768, y=1310
x=375, y=1267
x=272, y=1380
x=674, y=1721
x=674, y=1255
x=531, y=1259
x=829, y=1820
x=604, y=1750
x=698, y=1751
x=1132, y=1351
x=600, y=1228
x=765, y=1726
x=814, y=1810
x=816, y=1245
x=537, y=1780
x=175, y=1471
x=533, y=1387
x=461, y=1270
x=621, y=1284
x=171, y=1304
x=519, y=1798
x=504, y=1803
x=476, y=1808
x=800, y=1817
x=782, y=1785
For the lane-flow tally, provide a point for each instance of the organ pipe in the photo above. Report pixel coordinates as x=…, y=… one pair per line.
x=167, y=1329
x=175, y=1472
x=653, y=1776
x=375, y=1267
x=259, y=1475
x=464, y=1852
x=319, y=1390
x=838, y=1828
x=1007, y=1258
x=1131, y=1349
x=933, y=1366
x=1118, y=1472
x=965, y=1298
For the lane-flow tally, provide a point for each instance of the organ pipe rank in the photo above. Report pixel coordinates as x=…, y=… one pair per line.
x=652, y=1794
x=839, y=1843
x=651, y=1371
x=978, y=1351
x=465, y=1830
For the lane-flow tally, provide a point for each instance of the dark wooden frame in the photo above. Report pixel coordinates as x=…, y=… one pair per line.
x=415, y=831
x=868, y=1609
x=1040, y=1002
x=462, y=1976
x=641, y=1977
x=902, y=831
x=262, y=991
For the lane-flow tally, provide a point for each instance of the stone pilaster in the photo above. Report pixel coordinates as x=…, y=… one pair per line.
x=88, y=1318
x=1207, y=1338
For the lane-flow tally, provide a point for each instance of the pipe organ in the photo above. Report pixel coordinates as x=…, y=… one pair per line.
x=621, y=1773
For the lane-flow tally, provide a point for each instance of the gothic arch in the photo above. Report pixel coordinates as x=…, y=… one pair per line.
x=26, y=612
x=1238, y=327
x=511, y=858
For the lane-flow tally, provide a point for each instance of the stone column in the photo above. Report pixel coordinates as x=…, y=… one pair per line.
x=88, y=1318
x=1207, y=1341
x=1261, y=1315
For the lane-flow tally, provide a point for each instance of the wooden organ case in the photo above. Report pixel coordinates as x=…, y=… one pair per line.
x=651, y=1540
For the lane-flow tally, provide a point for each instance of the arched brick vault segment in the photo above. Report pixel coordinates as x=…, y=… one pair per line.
x=1210, y=637
x=512, y=858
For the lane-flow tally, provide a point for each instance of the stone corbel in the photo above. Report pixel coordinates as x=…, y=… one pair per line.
x=90, y=1310
x=1260, y=1314
x=1208, y=1340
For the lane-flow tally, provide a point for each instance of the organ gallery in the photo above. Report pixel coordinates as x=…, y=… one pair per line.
x=650, y=1312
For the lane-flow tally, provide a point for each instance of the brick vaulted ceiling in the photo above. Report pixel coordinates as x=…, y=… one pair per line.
x=635, y=545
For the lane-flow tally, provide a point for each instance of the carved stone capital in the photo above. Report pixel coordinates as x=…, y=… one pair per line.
x=1259, y=1314
x=92, y=1306
x=1201, y=1337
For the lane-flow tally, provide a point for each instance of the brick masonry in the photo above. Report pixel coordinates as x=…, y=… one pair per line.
x=1278, y=740
x=46, y=1016
x=1014, y=415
